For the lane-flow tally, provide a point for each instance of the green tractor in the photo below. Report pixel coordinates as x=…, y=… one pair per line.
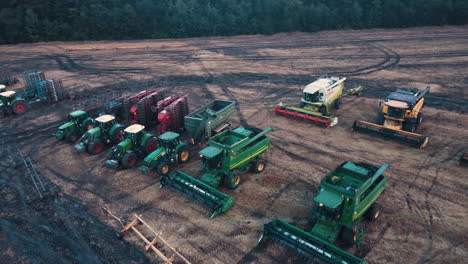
x=106, y=131
x=10, y=103
x=137, y=144
x=227, y=156
x=2, y=88
x=344, y=198
x=78, y=123
x=171, y=151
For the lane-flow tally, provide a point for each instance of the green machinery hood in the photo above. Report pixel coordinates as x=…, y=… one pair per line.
x=328, y=198
x=66, y=125
x=154, y=156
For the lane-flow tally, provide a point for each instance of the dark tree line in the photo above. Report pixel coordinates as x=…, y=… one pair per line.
x=47, y=20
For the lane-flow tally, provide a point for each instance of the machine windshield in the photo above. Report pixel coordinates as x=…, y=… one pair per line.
x=212, y=162
x=396, y=112
x=315, y=97
x=328, y=212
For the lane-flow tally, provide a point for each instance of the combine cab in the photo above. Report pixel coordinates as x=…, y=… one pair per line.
x=344, y=198
x=400, y=117
x=78, y=123
x=105, y=132
x=228, y=155
x=171, y=118
x=137, y=144
x=320, y=98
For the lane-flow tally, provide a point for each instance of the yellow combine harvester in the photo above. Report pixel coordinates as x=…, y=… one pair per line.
x=400, y=117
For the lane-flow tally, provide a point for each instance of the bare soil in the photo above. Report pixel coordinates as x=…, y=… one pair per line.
x=425, y=207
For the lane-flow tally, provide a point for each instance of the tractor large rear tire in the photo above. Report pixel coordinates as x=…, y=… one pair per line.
x=150, y=145
x=129, y=160
x=163, y=168
x=419, y=118
x=184, y=154
x=20, y=107
x=117, y=135
x=95, y=147
x=259, y=166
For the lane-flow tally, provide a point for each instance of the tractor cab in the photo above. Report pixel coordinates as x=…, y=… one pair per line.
x=133, y=132
x=169, y=141
x=105, y=122
x=8, y=95
x=212, y=158
x=77, y=116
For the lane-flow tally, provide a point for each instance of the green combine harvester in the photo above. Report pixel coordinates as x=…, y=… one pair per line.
x=344, y=198
x=171, y=151
x=227, y=156
x=106, y=131
x=137, y=144
x=78, y=123
x=320, y=98
x=10, y=103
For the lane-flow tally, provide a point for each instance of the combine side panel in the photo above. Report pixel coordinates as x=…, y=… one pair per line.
x=219, y=201
x=412, y=138
x=307, y=244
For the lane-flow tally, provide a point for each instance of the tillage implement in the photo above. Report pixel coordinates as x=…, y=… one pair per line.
x=319, y=99
x=105, y=132
x=225, y=159
x=344, y=198
x=399, y=118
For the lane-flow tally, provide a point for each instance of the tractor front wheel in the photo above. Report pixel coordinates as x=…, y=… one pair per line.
x=95, y=147
x=129, y=160
x=374, y=212
x=234, y=181
x=259, y=166
x=20, y=107
x=163, y=168
x=348, y=236
x=71, y=136
x=184, y=155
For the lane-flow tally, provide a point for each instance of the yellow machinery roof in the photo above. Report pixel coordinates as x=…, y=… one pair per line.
x=105, y=118
x=134, y=128
x=7, y=93
x=397, y=104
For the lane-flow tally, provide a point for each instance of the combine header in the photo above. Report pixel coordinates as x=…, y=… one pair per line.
x=400, y=117
x=344, y=198
x=227, y=156
x=320, y=97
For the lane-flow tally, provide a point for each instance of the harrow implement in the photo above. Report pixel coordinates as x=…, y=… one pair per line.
x=412, y=138
x=219, y=201
x=306, y=244
x=297, y=112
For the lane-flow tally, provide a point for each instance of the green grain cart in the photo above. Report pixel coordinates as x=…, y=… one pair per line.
x=105, y=132
x=227, y=156
x=171, y=151
x=344, y=198
x=209, y=120
x=137, y=144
